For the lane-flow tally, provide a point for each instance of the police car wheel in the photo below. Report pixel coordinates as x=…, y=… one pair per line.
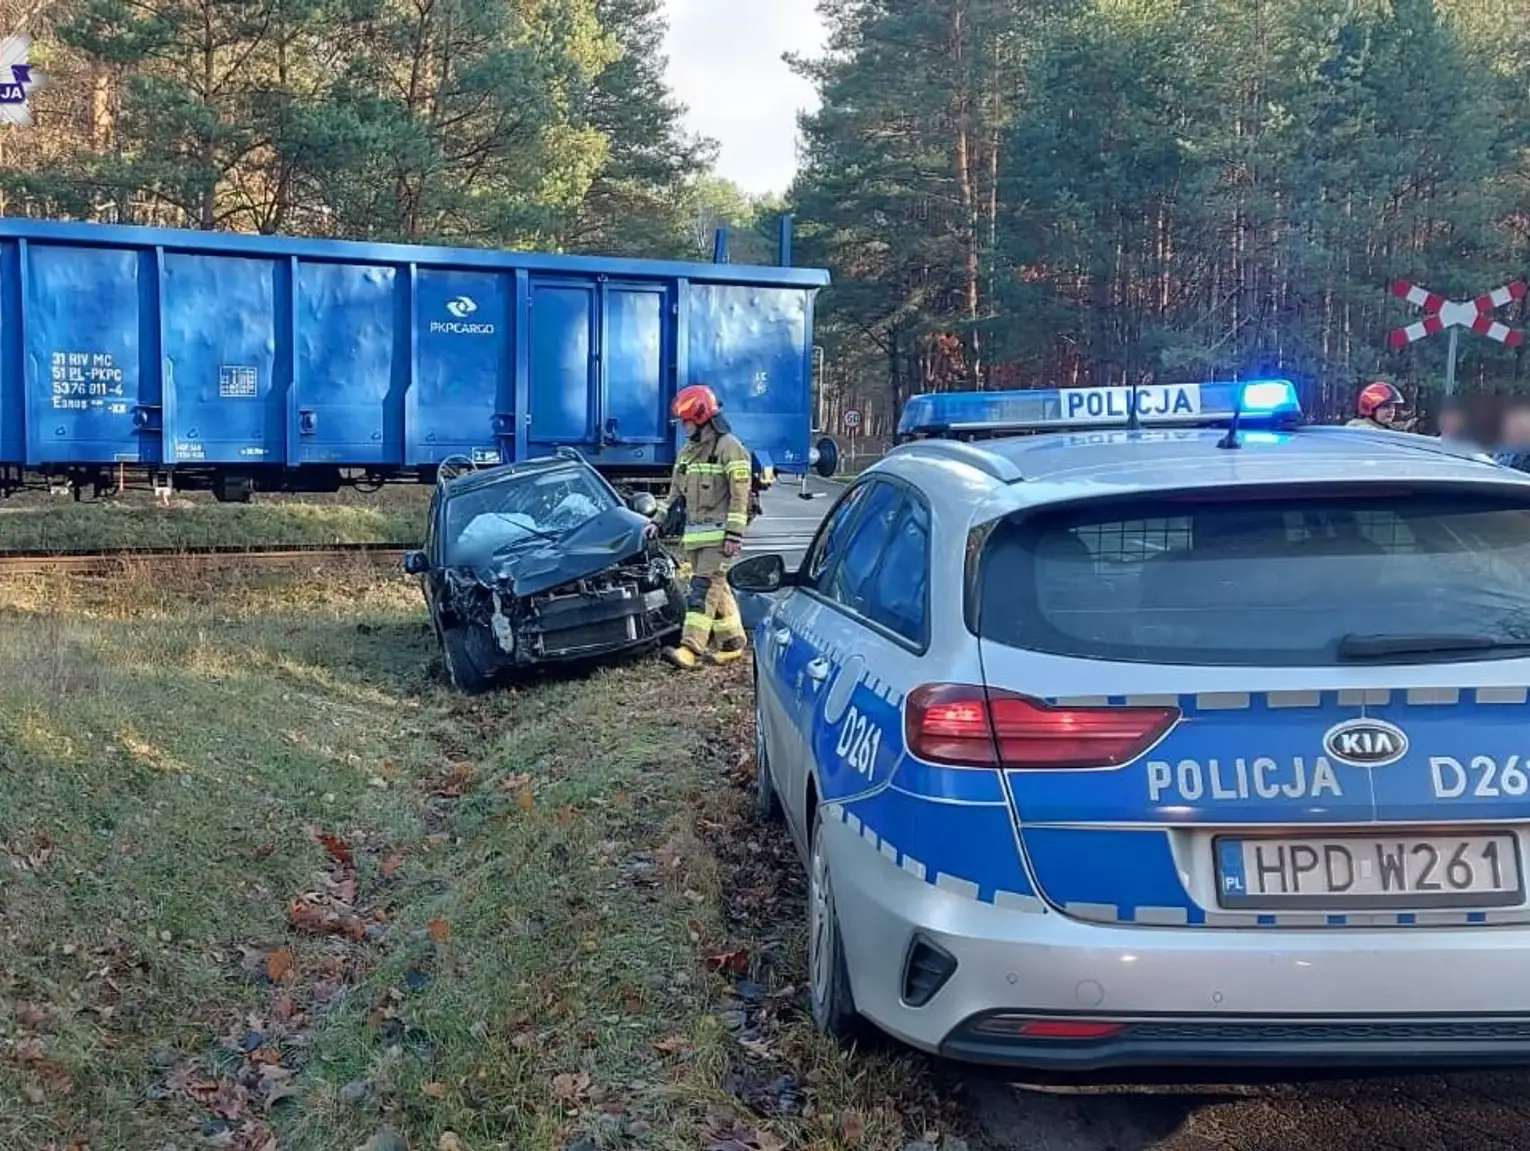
x=767, y=804
x=828, y=978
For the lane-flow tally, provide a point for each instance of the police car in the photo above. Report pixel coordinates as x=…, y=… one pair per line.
x=1150, y=727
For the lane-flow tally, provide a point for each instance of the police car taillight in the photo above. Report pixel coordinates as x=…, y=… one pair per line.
x=969, y=726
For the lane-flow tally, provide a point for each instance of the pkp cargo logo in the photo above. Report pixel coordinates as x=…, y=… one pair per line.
x=17, y=80
x=460, y=308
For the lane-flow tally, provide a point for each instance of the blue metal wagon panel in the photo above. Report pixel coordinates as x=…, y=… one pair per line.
x=752, y=344
x=85, y=313
x=226, y=386
x=352, y=357
x=464, y=375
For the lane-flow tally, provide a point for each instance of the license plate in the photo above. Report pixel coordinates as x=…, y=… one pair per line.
x=1352, y=873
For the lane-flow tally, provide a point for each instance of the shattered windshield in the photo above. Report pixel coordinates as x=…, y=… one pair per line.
x=542, y=505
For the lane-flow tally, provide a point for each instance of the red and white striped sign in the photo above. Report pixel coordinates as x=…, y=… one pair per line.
x=1440, y=313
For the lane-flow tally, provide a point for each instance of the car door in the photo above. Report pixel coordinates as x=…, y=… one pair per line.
x=789, y=650
x=874, y=633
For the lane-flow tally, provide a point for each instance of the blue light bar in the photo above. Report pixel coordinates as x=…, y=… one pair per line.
x=1263, y=402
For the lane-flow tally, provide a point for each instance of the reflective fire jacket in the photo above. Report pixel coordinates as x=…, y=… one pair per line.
x=712, y=477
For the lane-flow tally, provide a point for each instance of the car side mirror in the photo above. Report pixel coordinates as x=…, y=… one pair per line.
x=416, y=563
x=643, y=503
x=763, y=574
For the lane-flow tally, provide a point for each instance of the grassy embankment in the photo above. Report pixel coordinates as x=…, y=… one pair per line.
x=265, y=883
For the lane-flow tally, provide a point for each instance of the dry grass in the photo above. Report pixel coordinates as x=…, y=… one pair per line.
x=107, y=524
x=266, y=883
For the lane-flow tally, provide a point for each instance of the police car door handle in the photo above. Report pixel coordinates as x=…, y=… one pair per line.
x=783, y=636
x=818, y=670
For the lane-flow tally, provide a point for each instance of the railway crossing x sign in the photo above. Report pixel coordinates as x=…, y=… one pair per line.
x=1441, y=314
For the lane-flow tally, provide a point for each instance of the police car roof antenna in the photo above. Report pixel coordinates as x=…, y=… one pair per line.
x=1230, y=440
x=1133, y=424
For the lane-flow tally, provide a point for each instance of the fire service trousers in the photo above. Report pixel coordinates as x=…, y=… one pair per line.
x=710, y=609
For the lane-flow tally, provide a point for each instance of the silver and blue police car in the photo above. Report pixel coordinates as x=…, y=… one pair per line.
x=1149, y=727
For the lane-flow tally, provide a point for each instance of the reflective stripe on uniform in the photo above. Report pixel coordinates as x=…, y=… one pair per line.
x=737, y=522
x=738, y=469
x=701, y=537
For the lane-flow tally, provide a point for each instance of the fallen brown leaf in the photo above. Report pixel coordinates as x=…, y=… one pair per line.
x=449, y=1142
x=392, y=864
x=570, y=1088
x=440, y=931
x=734, y=961
x=339, y=850
x=526, y=800
x=515, y=781
x=674, y=1045
x=279, y=964
x=435, y=1090
x=265, y=851
x=852, y=1126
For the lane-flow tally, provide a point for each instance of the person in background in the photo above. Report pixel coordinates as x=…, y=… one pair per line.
x=1378, y=407
x=1452, y=425
x=1513, y=450
x=712, y=478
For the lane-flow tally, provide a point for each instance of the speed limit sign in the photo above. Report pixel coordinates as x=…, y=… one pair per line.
x=852, y=420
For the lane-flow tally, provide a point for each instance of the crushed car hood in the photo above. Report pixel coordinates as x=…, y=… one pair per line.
x=536, y=565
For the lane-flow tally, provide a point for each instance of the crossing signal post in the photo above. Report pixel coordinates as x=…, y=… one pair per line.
x=1442, y=315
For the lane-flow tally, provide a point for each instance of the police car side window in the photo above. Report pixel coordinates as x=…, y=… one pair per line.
x=819, y=562
x=899, y=594
x=850, y=583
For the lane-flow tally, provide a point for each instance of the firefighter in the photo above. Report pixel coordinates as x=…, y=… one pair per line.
x=713, y=478
x=1378, y=405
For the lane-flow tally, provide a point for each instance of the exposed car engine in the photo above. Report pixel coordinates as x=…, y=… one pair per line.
x=626, y=604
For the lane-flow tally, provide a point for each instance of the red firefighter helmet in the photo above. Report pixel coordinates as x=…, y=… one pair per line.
x=695, y=404
x=1375, y=395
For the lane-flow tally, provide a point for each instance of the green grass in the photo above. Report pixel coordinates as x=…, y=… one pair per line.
x=198, y=780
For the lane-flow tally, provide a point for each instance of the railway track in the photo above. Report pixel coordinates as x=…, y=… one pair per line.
x=114, y=559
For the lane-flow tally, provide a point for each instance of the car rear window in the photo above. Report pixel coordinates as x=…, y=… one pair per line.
x=1266, y=579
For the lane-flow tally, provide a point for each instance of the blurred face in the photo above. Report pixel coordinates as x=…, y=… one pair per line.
x=1452, y=423
x=690, y=428
x=1386, y=414
x=1516, y=426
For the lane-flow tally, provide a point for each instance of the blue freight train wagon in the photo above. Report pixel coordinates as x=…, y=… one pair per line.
x=236, y=363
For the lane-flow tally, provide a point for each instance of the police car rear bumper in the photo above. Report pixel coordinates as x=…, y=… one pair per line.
x=1129, y=995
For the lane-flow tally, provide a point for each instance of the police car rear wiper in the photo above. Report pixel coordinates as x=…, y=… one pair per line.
x=1356, y=646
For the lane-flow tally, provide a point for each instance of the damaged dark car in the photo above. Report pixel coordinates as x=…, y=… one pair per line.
x=540, y=564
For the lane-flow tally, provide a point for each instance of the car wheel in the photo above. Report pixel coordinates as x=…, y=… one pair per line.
x=466, y=667
x=767, y=804
x=828, y=978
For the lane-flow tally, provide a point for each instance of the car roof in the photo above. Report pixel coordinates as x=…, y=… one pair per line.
x=1026, y=470
x=486, y=477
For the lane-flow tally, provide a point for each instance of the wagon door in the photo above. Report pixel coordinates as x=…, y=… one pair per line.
x=225, y=384
x=636, y=353
x=564, y=366
x=462, y=393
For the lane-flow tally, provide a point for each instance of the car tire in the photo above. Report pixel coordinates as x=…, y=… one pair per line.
x=833, y=1003
x=466, y=667
x=767, y=804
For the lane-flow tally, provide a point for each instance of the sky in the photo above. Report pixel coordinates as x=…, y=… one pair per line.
x=725, y=65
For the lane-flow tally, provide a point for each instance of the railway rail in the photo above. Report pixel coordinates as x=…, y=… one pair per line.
x=88, y=561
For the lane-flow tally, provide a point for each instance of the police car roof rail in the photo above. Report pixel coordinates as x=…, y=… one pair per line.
x=957, y=451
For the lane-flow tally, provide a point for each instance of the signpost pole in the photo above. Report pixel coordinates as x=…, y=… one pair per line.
x=1450, y=361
